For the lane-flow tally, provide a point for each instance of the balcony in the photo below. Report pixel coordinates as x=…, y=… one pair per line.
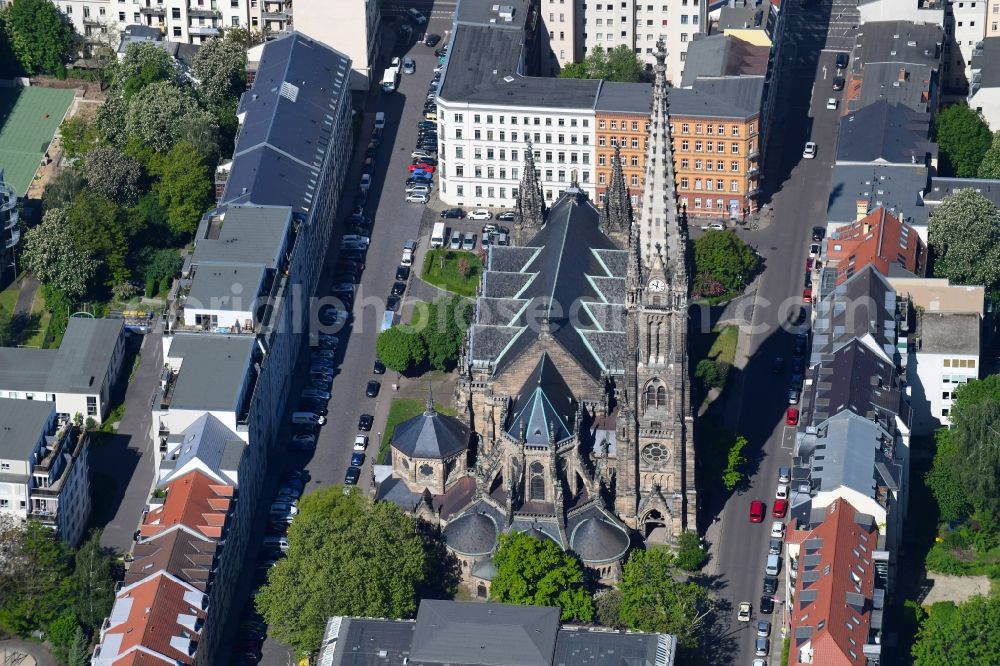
x=155, y=10
x=203, y=30
x=753, y=170
x=90, y=20
x=204, y=12
x=45, y=517
x=276, y=16
x=754, y=154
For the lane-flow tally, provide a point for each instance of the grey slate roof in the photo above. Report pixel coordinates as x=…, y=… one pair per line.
x=942, y=187
x=213, y=372
x=21, y=426
x=615, y=96
x=566, y=269
x=985, y=61
x=457, y=632
x=431, y=435
x=886, y=133
x=599, y=538
x=864, y=304
x=225, y=287
x=474, y=532
x=79, y=365
x=719, y=55
x=209, y=440
x=899, y=42
x=544, y=403
x=246, y=235
x=897, y=188
x=881, y=81
x=728, y=97
x=882, y=49
x=287, y=123
x=850, y=454
x=949, y=332
x=857, y=379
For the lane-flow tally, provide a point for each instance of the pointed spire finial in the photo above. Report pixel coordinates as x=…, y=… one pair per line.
x=530, y=202
x=430, y=411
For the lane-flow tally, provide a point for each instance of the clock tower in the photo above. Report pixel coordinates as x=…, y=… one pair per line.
x=656, y=485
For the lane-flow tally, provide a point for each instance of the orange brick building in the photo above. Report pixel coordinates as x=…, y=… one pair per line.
x=878, y=238
x=621, y=119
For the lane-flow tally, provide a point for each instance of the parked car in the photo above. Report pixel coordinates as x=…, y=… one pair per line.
x=416, y=17
x=422, y=154
x=831, y=104
x=402, y=273
x=398, y=288
x=842, y=60
x=744, y=612
x=807, y=295
x=378, y=368
x=453, y=213
x=432, y=39
x=428, y=168
x=506, y=216
x=784, y=474
x=792, y=416
x=352, y=475
x=780, y=508
x=409, y=66
x=756, y=511
x=770, y=585
x=763, y=629
x=793, y=396
x=762, y=647
x=423, y=172
x=814, y=250
x=480, y=214
x=372, y=389
x=357, y=459
x=360, y=442
x=456, y=241
x=781, y=492
x=766, y=605
x=284, y=509
x=314, y=394
x=492, y=228
x=365, y=422
x=418, y=197
x=838, y=83
x=468, y=241
x=366, y=181
x=809, y=152
x=778, y=529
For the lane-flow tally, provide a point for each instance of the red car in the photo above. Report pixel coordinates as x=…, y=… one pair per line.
x=779, y=508
x=426, y=167
x=756, y=511
x=807, y=295
x=792, y=416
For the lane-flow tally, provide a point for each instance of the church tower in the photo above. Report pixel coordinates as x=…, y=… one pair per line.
x=655, y=485
x=530, y=201
x=616, y=216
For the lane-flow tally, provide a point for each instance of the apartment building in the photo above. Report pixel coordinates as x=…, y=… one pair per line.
x=984, y=86
x=188, y=21
x=879, y=239
x=10, y=222
x=836, y=587
x=78, y=376
x=349, y=26
x=621, y=116
x=562, y=39
x=992, y=18
x=965, y=28
x=44, y=472
x=946, y=330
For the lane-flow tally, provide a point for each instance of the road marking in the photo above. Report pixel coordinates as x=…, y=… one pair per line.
x=788, y=438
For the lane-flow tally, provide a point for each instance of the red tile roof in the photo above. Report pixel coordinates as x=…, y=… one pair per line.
x=157, y=620
x=834, y=626
x=879, y=239
x=195, y=500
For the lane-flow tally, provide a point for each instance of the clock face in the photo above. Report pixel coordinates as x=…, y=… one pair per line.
x=657, y=285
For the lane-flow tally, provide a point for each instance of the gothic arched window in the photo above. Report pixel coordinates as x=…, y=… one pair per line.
x=661, y=396
x=537, y=489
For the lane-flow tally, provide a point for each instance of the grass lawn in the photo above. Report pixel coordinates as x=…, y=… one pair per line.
x=8, y=298
x=719, y=345
x=401, y=410
x=38, y=334
x=448, y=277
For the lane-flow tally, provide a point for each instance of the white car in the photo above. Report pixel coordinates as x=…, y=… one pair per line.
x=422, y=154
x=831, y=104
x=456, y=241
x=810, y=150
x=409, y=67
x=417, y=197
x=715, y=226
x=366, y=181
x=394, y=62
x=361, y=442
x=781, y=492
x=744, y=612
x=380, y=120
x=480, y=214
x=777, y=530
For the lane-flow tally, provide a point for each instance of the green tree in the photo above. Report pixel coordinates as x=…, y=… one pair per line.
x=94, y=580
x=968, y=635
x=78, y=135
x=400, y=348
x=185, y=188
x=35, y=578
x=142, y=64
x=220, y=67
x=40, y=36
x=963, y=138
x=607, y=609
x=691, y=555
x=726, y=259
x=113, y=174
x=63, y=188
x=573, y=70
x=97, y=229
x=618, y=64
x=79, y=650
x=346, y=556
x=964, y=235
x=60, y=634
x=245, y=37
x=51, y=253
x=975, y=432
x=537, y=572
x=653, y=600
x=447, y=321
x=707, y=371
x=733, y=474
x=160, y=114
x=990, y=166
x=945, y=478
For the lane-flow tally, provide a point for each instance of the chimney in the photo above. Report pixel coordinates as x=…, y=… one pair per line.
x=861, y=210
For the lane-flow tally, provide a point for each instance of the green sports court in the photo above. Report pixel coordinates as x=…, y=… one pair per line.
x=29, y=117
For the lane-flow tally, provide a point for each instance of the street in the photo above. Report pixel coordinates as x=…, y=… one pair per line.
x=799, y=190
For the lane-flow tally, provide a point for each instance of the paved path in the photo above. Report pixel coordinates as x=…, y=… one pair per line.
x=29, y=285
x=39, y=652
x=128, y=455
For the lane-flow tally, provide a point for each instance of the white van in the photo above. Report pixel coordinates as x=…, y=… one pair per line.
x=437, y=235
x=773, y=565
x=307, y=418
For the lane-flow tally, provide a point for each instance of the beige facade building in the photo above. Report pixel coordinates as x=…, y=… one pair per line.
x=349, y=26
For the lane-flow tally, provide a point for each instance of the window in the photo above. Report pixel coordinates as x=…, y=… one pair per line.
x=684, y=37
x=635, y=181
x=697, y=146
x=684, y=128
x=735, y=149
x=4, y=466
x=697, y=165
x=459, y=152
x=479, y=191
x=177, y=31
x=460, y=190
x=601, y=160
x=720, y=166
x=735, y=130
x=121, y=16
x=684, y=183
x=600, y=179
x=734, y=166
x=91, y=405
x=635, y=160
x=459, y=118
x=697, y=183
x=458, y=132
x=685, y=164
x=718, y=184
x=734, y=186
x=684, y=145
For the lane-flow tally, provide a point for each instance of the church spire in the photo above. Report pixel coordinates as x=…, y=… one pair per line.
x=633, y=276
x=429, y=409
x=658, y=223
x=617, y=212
x=530, y=202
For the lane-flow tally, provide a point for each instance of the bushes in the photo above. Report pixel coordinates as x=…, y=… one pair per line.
x=712, y=374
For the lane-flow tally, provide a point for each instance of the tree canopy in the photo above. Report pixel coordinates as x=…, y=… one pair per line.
x=968, y=635
x=185, y=188
x=400, y=348
x=158, y=114
x=618, y=64
x=722, y=259
x=990, y=166
x=963, y=138
x=447, y=321
x=113, y=175
x=537, y=572
x=964, y=234
x=346, y=556
x=40, y=36
x=945, y=478
x=50, y=252
x=653, y=600
x=220, y=67
x=975, y=435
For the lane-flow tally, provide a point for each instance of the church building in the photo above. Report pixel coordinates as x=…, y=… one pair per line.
x=575, y=422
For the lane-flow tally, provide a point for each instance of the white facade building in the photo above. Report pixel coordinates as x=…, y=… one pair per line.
x=562, y=42
x=965, y=28
x=188, y=21
x=78, y=377
x=44, y=472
